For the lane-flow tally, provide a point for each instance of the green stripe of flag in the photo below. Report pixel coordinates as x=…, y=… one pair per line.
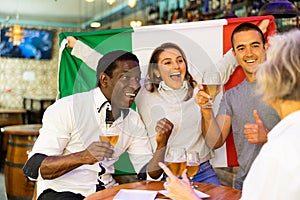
x=74, y=75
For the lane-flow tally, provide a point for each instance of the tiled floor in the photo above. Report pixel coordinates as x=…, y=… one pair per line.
x=2, y=186
x=24, y=186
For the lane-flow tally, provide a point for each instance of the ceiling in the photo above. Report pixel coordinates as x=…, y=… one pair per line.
x=58, y=13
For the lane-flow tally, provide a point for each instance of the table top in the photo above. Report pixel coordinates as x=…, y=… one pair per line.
x=12, y=111
x=216, y=192
x=40, y=98
x=9, y=116
x=25, y=129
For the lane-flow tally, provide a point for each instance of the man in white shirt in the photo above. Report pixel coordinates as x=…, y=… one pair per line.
x=68, y=159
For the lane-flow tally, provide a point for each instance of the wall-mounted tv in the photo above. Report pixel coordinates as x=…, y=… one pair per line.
x=35, y=44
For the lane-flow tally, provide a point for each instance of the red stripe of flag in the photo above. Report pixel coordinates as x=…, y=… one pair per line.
x=239, y=75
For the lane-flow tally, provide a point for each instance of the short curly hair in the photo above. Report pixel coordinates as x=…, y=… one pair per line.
x=107, y=63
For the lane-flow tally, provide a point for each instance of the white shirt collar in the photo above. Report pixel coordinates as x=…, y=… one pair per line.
x=99, y=98
x=163, y=86
x=101, y=101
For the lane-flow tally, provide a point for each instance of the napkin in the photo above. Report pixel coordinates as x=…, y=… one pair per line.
x=125, y=194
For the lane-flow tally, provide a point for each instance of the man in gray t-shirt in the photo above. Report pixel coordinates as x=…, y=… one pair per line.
x=238, y=103
x=241, y=110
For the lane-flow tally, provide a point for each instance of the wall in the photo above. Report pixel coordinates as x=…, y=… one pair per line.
x=12, y=85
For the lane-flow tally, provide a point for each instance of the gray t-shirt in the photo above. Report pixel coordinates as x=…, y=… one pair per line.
x=239, y=103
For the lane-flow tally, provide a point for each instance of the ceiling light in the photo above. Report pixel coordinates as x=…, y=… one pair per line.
x=89, y=1
x=110, y=2
x=279, y=9
x=131, y=3
x=95, y=24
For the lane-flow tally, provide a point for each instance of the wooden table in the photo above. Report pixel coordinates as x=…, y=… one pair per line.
x=21, y=140
x=11, y=116
x=216, y=192
x=8, y=117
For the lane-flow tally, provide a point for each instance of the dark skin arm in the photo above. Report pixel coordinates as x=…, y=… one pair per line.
x=56, y=166
x=163, y=128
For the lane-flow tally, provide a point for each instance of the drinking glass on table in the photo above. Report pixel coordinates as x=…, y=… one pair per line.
x=175, y=159
x=211, y=82
x=192, y=164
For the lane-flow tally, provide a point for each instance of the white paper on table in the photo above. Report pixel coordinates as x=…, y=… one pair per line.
x=132, y=194
x=199, y=194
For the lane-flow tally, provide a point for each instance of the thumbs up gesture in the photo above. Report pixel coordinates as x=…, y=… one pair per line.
x=256, y=133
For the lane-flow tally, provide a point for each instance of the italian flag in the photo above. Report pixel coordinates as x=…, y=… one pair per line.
x=204, y=43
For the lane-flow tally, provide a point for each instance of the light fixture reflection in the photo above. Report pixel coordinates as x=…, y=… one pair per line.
x=15, y=35
x=110, y=2
x=95, y=24
x=131, y=3
x=135, y=23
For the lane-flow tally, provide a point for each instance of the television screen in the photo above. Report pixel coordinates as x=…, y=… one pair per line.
x=32, y=44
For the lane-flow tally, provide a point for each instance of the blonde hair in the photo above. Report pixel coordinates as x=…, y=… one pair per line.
x=278, y=78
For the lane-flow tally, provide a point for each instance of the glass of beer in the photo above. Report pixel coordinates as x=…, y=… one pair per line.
x=211, y=82
x=192, y=164
x=109, y=135
x=175, y=159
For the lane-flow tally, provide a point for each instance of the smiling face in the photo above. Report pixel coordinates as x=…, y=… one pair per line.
x=122, y=87
x=249, y=51
x=171, y=68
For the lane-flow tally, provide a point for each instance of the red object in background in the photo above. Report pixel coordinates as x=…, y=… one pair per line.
x=238, y=75
x=7, y=90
